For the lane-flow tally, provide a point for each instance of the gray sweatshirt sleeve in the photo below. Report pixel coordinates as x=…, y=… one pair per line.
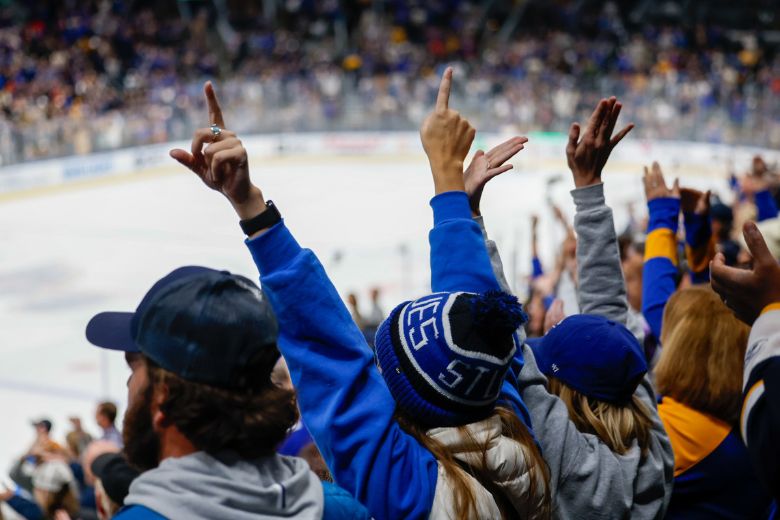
x=602, y=290
x=495, y=258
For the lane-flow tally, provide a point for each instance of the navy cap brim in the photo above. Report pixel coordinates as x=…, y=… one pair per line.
x=111, y=330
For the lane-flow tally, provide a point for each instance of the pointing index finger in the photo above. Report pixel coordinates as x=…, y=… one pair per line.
x=443, y=98
x=215, y=112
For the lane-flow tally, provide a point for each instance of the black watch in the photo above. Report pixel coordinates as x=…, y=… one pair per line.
x=264, y=220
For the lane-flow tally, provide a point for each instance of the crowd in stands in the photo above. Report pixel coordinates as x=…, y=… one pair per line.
x=84, y=477
x=80, y=77
x=641, y=378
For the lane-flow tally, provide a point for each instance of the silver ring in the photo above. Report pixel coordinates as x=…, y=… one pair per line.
x=215, y=130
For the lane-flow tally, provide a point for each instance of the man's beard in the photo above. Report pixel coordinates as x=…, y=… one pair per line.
x=142, y=445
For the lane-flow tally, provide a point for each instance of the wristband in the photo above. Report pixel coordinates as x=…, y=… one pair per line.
x=264, y=220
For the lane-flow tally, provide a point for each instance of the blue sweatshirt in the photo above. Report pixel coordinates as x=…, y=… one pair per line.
x=341, y=394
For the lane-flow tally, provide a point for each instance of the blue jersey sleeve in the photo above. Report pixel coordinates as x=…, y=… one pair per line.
x=459, y=259
x=460, y=262
x=660, y=268
x=344, y=401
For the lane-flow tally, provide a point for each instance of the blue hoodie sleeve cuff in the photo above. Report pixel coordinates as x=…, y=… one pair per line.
x=450, y=205
x=664, y=213
x=273, y=249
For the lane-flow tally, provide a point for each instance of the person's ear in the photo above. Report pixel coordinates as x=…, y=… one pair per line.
x=159, y=396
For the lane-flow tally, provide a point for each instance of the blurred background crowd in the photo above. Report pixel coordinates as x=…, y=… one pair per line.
x=84, y=76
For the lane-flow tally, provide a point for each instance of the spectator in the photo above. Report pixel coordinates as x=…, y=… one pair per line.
x=594, y=412
x=113, y=476
x=77, y=439
x=204, y=418
x=55, y=489
x=105, y=416
x=349, y=405
x=754, y=296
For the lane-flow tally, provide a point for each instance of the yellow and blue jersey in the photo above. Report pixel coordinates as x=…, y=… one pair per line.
x=713, y=476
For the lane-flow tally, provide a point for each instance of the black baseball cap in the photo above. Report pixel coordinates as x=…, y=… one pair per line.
x=201, y=324
x=115, y=474
x=46, y=423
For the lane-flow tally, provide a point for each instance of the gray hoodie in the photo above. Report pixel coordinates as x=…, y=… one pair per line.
x=202, y=486
x=588, y=480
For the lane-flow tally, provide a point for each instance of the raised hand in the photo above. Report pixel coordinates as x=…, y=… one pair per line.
x=748, y=292
x=695, y=201
x=223, y=164
x=485, y=166
x=446, y=138
x=655, y=185
x=587, y=152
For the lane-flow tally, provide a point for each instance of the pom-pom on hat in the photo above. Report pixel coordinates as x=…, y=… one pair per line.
x=444, y=356
x=593, y=355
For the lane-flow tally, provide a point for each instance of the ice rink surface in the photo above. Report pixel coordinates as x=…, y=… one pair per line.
x=69, y=252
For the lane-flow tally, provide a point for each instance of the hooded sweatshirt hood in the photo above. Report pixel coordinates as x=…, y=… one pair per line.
x=508, y=466
x=202, y=486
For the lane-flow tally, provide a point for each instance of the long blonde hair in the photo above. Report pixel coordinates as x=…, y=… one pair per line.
x=616, y=425
x=465, y=500
x=703, y=354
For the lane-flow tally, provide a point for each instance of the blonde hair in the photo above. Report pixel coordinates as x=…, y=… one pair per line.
x=703, y=354
x=465, y=500
x=616, y=425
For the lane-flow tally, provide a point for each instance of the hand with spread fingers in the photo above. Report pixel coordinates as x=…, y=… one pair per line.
x=446, y=138
x=748, y=292
x=485, y=166
x=655, y=185
x=587, y=151
x=223, y=164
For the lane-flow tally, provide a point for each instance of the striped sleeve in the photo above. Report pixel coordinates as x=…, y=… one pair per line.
x=760, y=418
x=659, y=273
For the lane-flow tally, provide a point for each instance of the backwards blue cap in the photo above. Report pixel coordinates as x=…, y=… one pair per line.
x=595, y=356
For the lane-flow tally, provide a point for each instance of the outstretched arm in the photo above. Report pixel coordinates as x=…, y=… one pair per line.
x=343, y=399
x=602, y=290
x=459, y=260
x=659, y=273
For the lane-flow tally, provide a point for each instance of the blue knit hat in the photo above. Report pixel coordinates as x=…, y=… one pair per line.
x=444, y=356
x=593, y=355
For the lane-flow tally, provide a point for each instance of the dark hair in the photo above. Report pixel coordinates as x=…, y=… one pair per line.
x=108, y=409
x=251, y=420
